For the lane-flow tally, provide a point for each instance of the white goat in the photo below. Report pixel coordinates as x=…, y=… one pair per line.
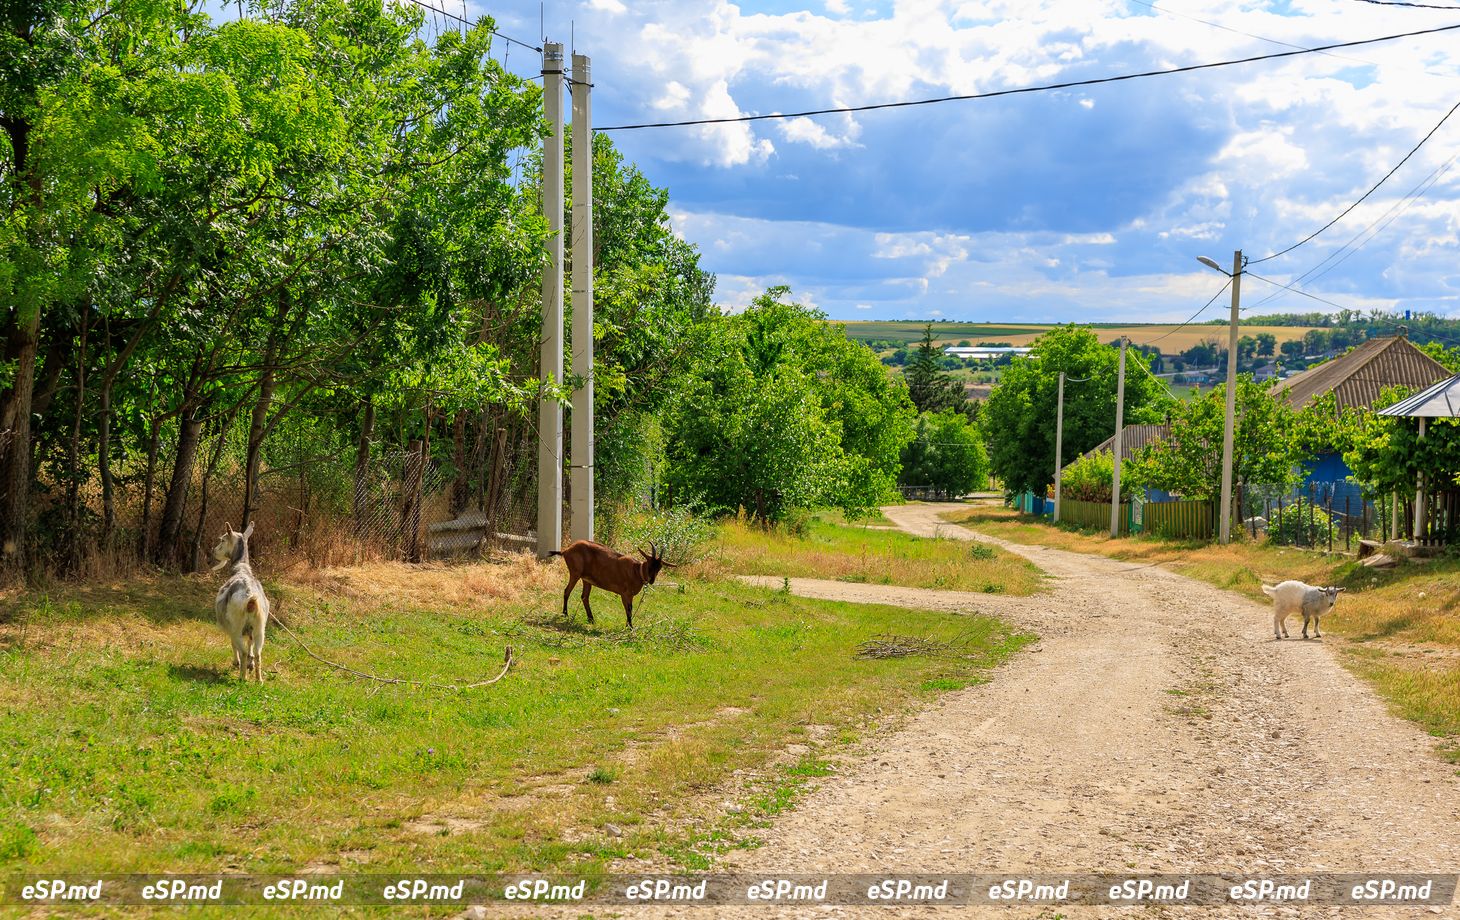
x=1292, y=597
x=241, y=606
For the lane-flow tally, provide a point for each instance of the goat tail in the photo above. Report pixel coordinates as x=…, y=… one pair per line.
x=1269, y=590
x=553, y=552
x=253, y=604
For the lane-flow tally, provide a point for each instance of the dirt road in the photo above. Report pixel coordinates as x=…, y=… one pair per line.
x=1155, y=727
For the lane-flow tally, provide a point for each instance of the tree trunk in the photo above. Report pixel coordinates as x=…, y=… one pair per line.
x=149, y=484
x=256, y=433
x=362, y=470
x=461, y=485
x=190, y=429
x=15, y=465
x=104, y=465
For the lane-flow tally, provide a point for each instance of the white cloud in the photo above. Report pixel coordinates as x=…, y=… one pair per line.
x=1266, y=153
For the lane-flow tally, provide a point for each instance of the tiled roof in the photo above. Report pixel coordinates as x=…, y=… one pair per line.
x=1355, y=378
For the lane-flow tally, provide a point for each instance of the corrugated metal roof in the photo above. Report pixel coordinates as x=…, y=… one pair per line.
x=1439, y=401
x=1357, y=377
x=1132, y=439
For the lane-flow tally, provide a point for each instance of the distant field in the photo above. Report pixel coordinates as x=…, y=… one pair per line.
x=1158, y=334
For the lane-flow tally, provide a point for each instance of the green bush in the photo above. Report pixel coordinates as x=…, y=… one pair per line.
x=679, y=534
x=1088, y=479
x=1302, y=523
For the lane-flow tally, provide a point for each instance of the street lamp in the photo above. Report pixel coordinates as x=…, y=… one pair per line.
x=1225, y=531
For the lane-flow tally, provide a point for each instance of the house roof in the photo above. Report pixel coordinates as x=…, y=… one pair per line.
x=1132, y=439
x=1355, y=378
x=1439, y=401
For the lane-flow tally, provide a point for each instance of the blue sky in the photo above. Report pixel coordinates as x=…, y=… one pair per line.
x=1087, y=204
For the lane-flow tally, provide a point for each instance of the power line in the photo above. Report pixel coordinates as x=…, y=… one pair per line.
x=1044, y=87
x=1422, y=6
x=467, y=22
x=1382, y=222
x=1298, y=290
x=1413, y=150
x=1192, y=318
x=1273, y=41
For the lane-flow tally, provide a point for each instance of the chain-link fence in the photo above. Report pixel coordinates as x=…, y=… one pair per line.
x=413, y=502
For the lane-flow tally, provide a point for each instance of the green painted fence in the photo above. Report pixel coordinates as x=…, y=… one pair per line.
x=1189, y=520
x=1094, y=515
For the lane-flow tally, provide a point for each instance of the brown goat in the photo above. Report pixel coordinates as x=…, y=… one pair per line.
x=597, y=566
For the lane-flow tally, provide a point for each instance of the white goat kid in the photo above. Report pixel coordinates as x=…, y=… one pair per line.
x=241, y=606
x=1295, y=597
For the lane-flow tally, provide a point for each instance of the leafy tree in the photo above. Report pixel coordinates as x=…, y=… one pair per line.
x=930, y=386
x=1266, y=344
x=1019, y=415
x=1387, y=454
x=946, y=453
x=1292, y=349
x=1188, y=462
x=783, y=411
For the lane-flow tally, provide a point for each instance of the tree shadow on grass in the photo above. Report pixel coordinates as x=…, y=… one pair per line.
x=161, y=600
x=200, y=675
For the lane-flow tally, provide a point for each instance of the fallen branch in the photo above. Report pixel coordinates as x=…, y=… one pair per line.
x=506, y=666
x=893, y=646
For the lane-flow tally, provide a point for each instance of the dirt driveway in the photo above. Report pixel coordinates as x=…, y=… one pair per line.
x=1156, y=727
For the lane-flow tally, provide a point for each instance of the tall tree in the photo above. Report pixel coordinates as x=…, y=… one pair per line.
x=1019, y=415
x=931, y=388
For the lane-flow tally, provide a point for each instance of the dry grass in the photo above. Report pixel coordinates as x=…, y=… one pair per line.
x=870, y=554
x=434, y=584
x=1397, y=628
x=1172, y=339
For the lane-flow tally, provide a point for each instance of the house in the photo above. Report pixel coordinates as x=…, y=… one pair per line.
x=1356, y=379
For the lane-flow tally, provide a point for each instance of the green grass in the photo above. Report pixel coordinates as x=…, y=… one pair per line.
x=869, y=555
x=129, y=748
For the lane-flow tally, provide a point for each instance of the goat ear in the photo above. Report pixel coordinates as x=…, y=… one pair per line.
x=227, y=527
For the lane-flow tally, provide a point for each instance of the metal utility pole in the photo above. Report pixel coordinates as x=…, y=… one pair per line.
x=1059, y=440
x=1119, y=431
x=1228, y=433
x=549, y=411
x=582, y=443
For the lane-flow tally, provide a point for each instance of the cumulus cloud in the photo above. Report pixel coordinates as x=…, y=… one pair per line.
x=1003, y=205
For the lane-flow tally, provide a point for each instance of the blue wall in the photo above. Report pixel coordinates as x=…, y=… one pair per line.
x=1327, y=474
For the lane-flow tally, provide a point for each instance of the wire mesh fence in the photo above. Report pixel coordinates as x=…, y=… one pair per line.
x=414, y=502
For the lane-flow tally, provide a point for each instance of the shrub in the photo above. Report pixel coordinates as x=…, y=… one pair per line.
x=678, y=533
x=1088, y=479
x=1302, y=523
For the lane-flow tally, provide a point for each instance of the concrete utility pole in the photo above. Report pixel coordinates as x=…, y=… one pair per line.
x=1059, y=440
x=1419, y=494
x=582, y=443
x=1119, y=432
x=1228, y=433
x=549, y=411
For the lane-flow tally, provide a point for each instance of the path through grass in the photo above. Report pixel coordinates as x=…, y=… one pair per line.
x=128, y=747
x=828, y=547
x=1397, y=628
